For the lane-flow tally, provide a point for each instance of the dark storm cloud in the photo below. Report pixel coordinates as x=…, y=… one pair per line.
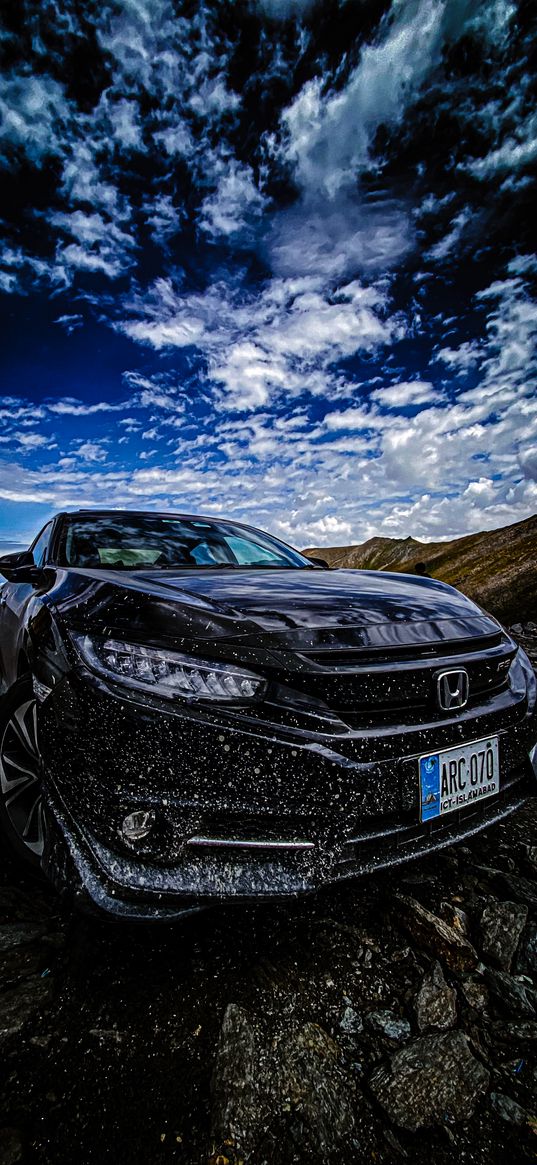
x=311, y=223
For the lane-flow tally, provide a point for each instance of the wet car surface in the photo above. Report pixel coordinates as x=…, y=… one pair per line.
x=211, y=721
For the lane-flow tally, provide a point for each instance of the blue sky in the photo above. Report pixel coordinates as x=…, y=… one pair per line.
x=273, y=260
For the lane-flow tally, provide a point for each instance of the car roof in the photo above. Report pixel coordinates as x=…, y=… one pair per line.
x=167, y=514
x=147, y=514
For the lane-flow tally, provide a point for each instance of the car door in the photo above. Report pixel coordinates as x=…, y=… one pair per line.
x=14, y=599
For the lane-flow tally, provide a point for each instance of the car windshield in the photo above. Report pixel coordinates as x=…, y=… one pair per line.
x=130, y=542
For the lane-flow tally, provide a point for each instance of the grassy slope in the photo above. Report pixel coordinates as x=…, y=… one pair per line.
x=497, y=568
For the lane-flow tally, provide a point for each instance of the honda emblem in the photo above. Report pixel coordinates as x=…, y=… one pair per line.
x=452, y=689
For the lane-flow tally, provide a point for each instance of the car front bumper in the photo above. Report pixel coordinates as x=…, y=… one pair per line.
x=246, y=809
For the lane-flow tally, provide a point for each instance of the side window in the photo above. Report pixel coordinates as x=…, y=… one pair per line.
x=40, y=546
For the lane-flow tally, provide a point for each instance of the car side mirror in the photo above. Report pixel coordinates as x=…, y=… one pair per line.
x=320, y=562
x=20, y=567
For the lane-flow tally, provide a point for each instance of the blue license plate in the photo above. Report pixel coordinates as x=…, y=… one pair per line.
x=458, y=777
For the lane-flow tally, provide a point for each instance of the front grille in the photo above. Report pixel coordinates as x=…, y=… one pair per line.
x=403, y=690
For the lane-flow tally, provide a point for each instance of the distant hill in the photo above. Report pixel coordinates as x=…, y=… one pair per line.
x=496, y=568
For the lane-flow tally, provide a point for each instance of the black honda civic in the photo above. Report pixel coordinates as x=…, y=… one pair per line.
x=192, y=711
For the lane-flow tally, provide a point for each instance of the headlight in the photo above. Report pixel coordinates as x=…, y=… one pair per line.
x=166, y=673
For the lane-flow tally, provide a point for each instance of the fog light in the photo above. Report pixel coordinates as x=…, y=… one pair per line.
x=138, y=825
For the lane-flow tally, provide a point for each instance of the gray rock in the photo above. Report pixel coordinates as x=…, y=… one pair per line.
x=522, y=1032
x=509, y=1111
x=351, y=1021
x=521, y=889
x=243, y=1082
x=513, y=996
x=291, y=1085
x=394, y=1143
x=501, y=926
x=474, y=992
x=436, y=1002
x=433, y=1080
x=455, y=917
x=435, y=935
x=318, y=1093
x=526, y=963
x=387, y=1023
x=17, y=935
x=20, y=1005
x=11, y=1149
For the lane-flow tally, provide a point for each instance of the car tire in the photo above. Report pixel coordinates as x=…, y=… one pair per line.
x=22, y=815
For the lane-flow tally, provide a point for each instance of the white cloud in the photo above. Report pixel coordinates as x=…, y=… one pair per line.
x=90, y=451
x=125, y=122
x=141, y=35
x=212, y=97
x=69, y=406
x=164, y=217
x=14, y=409
x=461, y=359
x=516, y=150
x=323, y=530
x=70, y=322
x=182, y=64
x=101, y=245
x=280, y=340
x=334, y=240
x=176, y=139
x=522, y=265
x=155, y=392
x=31, y=440
x=452, y=239
x=85, y=181
x=24, y=270
x=407, y=392
x=235, y=201
x=33, y=113
x=330, y=135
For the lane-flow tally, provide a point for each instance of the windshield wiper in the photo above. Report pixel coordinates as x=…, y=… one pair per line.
x=192, y=566
x=227, y=566
x=273, y=566
x=204, y=566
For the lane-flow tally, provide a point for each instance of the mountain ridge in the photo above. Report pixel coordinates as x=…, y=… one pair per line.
x=495, y=568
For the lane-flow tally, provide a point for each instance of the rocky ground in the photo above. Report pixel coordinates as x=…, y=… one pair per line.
x=392, y=1021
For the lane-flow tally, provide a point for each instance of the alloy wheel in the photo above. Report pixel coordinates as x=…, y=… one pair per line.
x=20, y=777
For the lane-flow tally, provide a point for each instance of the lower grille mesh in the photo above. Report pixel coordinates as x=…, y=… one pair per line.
x=395, y=836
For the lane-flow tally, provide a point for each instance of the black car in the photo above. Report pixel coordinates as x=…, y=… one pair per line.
x=192, y=711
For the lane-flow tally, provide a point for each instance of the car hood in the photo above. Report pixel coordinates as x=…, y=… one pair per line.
x=292, y=608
